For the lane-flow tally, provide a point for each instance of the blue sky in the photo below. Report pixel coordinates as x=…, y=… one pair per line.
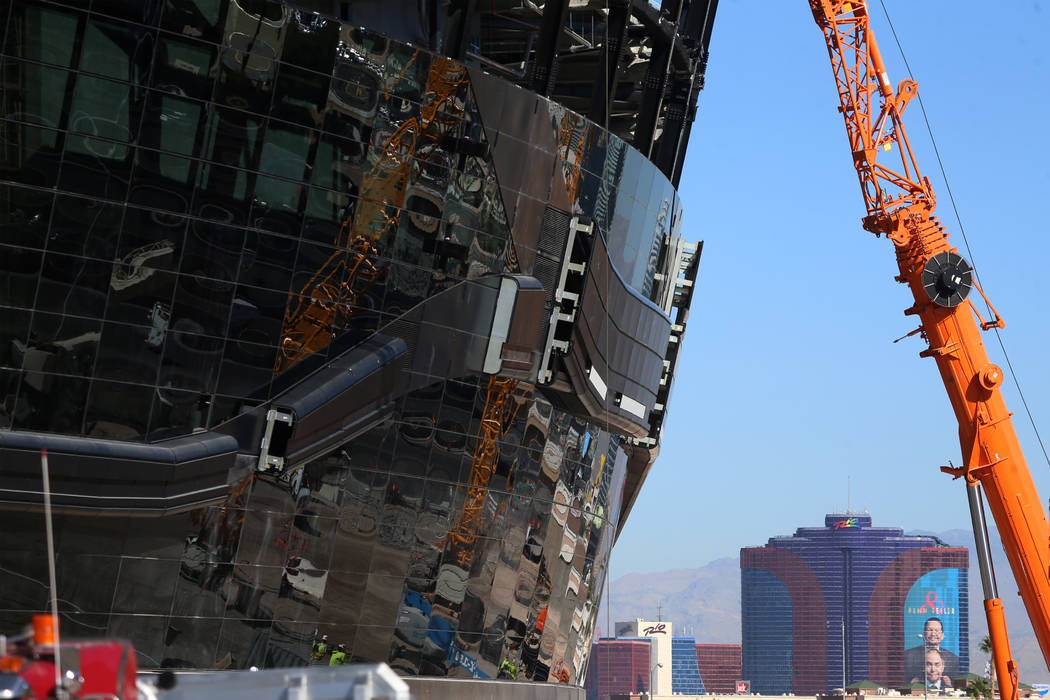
x=790, y=386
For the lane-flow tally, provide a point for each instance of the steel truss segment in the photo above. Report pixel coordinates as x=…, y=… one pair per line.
x=861, y=83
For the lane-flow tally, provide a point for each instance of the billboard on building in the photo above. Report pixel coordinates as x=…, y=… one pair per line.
x=932, y=628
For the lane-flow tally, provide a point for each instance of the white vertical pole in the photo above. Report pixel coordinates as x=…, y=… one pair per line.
x=51, y=570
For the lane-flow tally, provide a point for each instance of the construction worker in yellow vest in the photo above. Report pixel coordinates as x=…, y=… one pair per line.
x=508, y=670
x=320, y=648
x=339, y=656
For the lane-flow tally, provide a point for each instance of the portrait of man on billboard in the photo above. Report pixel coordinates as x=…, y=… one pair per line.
x=935, y=676
x=917, y=659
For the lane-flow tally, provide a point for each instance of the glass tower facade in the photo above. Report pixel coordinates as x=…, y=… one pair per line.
x=849, y=602
x=285, y=299
x=685, y=673
x=619, y=666
x=719, y=666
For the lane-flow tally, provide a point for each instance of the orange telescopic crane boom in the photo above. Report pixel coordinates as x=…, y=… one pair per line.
x=900, y=204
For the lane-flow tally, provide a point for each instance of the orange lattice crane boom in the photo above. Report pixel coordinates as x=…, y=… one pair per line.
x=900, y=204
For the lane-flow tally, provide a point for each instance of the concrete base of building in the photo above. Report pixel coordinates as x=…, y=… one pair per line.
x=433, y=688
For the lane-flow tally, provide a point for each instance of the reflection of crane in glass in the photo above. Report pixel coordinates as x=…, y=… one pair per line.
x=385, y=184
x=572, y=137
x=501, y=406
x=329, y=299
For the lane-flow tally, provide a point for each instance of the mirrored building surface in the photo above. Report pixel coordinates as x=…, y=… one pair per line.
x=341, y=323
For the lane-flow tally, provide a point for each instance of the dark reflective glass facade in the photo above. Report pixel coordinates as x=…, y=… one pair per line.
x=202, y=203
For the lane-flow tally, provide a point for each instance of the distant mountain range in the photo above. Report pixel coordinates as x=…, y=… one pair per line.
x=705, y=603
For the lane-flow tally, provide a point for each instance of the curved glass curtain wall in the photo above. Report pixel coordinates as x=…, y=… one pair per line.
x=174, y=178
x=204, y=163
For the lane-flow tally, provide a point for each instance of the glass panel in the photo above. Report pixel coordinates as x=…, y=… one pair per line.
x=42, y=33
x=141, y=294
x=337, y=161
x=300, y=96
x=267, y=261
x=171, y=124
x=201, y=19
x=177, y=412
x=276, y=205
x=85, y=227
x=34, y=94
x=184, y=67
x=145, y=586
x=118, y=411
x=50, y=402
x=151, y=238
x=117, y=50
x=147, y=13
x=24, y=216
x=353, y=96
x=103, y=108
x=14, y=334
x=325, y=211
x=72, y=285
x=205, y=303
x=96, y=167
x=231, y=138
x=126, y=353
x=221, y=194
x=310, y=41
x=285, y=150
x=253, y=36
x=63, y=344
x=245, y=79
x=213, y=250
x=145, y=632
x=19, y=270
x=406, y=72
x=257, y=317
x=191, y=362
x=162, y=181
x=29, y=154
x=247, y=367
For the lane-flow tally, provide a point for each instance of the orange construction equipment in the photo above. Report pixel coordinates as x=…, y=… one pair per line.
x=900, y=204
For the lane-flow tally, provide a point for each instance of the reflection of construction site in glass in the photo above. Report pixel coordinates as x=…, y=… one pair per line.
x=343, y=349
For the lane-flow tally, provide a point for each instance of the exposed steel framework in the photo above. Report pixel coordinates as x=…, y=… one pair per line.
x=900, y=204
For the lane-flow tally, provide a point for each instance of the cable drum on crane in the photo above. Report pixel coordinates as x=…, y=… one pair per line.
x=947, y=279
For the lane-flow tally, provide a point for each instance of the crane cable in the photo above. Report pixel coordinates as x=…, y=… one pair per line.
x=962, y=231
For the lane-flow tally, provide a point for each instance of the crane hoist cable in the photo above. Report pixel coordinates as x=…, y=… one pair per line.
x=962, y=232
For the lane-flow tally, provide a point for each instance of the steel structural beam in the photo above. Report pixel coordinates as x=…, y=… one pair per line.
x=655, y=83
x=544, y=69
x=458, y=21
x=609, y=66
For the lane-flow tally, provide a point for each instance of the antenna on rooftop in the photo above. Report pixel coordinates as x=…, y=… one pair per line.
x=848, y=511
x=659, y=612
